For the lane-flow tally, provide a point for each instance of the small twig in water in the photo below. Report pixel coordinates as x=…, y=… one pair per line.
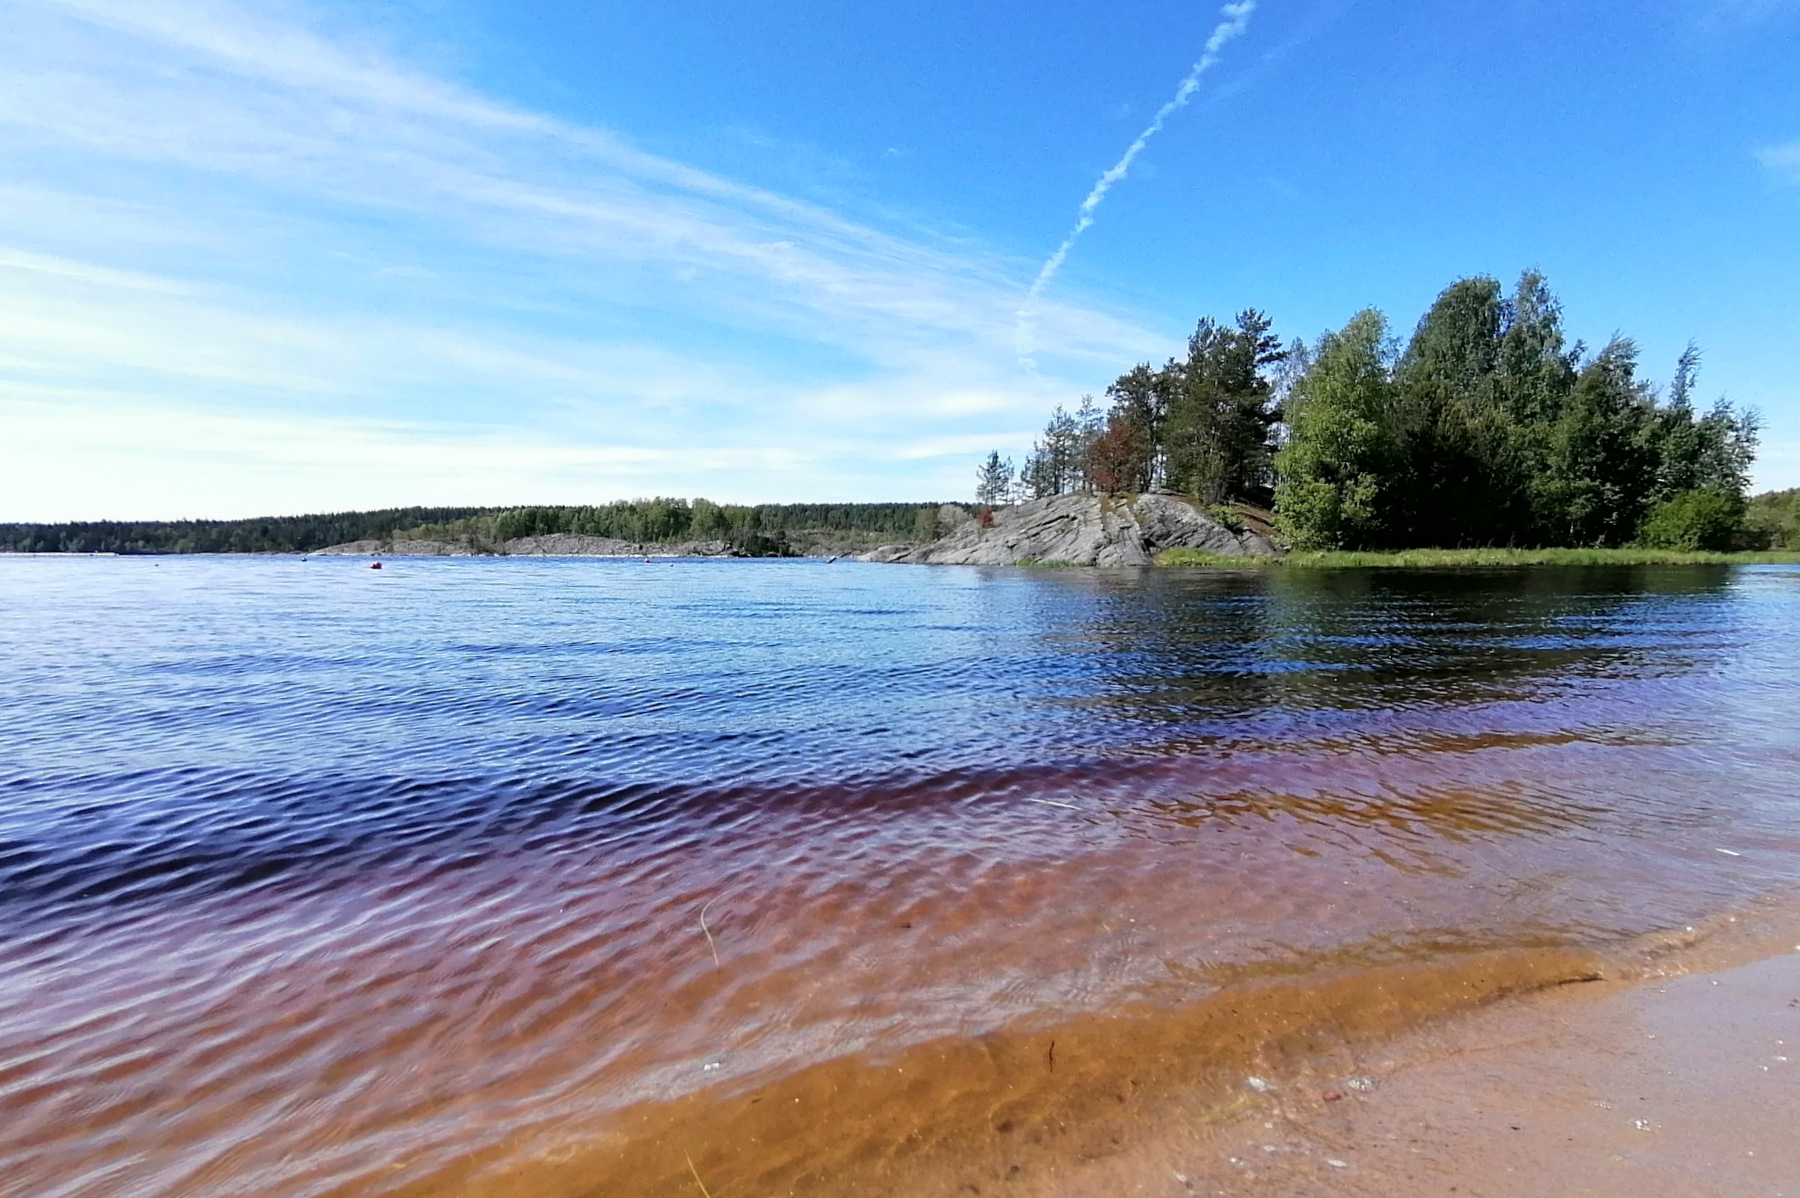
x=696, y=1173
x=1054, y=803
x=709, y=943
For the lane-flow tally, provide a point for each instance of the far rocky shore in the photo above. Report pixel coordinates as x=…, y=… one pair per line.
x=1072, y=530
x=1085, y=530
x=555, y=545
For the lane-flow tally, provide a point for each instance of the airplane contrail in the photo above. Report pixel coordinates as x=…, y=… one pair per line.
x=1237, y=16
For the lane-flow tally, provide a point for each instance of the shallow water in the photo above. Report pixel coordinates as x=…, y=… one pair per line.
x=462, y=875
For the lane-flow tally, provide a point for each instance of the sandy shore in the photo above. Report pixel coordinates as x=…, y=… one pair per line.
x=1685, y=1086
x=1517, y=1072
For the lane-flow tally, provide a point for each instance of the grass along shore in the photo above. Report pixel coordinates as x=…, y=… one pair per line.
x=1429, y=559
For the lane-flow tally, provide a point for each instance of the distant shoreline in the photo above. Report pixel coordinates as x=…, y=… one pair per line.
x=1074, y=529
x=1177, y=559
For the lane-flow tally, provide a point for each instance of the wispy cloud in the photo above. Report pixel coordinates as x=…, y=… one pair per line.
x=1784, y=161
x=1746, y=10
x=221, y=216
x=1237, y=18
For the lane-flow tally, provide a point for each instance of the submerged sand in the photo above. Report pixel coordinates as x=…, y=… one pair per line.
x=1685, y=1086
x=1537, y=1073
x=1527, y=1072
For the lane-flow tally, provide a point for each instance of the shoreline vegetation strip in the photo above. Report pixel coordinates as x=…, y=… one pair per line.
x=1416, y=559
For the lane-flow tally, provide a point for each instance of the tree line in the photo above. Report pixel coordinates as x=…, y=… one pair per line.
x=761, y=530
x=262, y=534
x=1484, y=428
x=1774, y=519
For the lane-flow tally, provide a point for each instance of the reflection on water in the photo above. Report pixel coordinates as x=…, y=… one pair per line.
x=323, y=881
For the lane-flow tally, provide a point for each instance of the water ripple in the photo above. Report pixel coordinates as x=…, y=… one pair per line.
x=320, y=881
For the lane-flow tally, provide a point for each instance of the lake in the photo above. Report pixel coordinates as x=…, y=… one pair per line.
x=517, y=876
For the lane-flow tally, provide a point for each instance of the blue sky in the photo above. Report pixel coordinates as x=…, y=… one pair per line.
x=286, y=257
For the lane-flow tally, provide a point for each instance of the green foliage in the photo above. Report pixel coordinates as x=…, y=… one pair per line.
x=1772, y=520
x=1470, y=559
x=994, y=480
x=1714, y=451
x=1060, y=460
x=476, y=532
x=1487, y=431
x=1338, y=457
x=1461, y=472
x=641, y=521
x=1227, y=517
x=767, y=530
x=267, y=534
x=1220, y=418
x=1702, y=518
x=1204, y=424
x=1597, y=476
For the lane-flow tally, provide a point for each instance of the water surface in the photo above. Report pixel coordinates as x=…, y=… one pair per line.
x=322, y=880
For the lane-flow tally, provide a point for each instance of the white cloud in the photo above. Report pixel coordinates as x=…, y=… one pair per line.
x=1784, y=161
x=224, y=217
x=62, y=268
x=300, y=115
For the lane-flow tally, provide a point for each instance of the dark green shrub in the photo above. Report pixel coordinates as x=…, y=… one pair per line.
x=1226, y=516
x=1693, y=520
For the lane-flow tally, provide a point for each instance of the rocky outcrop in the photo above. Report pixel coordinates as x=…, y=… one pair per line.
x=410, y=548
x=565, y=544
x=398, y=548
x=1081, y=530
x=555, y=545
x=1075, y=530
x=885, y=554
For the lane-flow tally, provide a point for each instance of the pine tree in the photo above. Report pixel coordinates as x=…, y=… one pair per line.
x=1219, y=432
x=994, y=480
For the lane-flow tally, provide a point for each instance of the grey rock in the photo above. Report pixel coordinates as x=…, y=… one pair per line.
x=1083, y=530
x=407, y=548
x=399, y=548
x=695, y=549
x=887, y=553
x=1169, y=522
x=565, y=544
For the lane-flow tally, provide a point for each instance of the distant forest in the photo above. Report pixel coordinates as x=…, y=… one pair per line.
x=764, y=530
x=1774, y=520
x=265, y=534
x=1485, y=428
x=703, y=520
